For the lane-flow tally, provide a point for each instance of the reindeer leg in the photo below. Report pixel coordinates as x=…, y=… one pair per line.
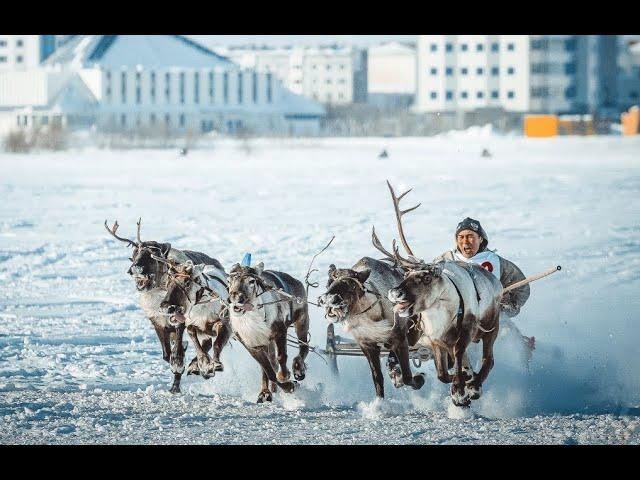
x=204, y=362
x=265, y=393
x=458, y=393
x=441, y=359
x=302, y=332
x=474, y=387
x=280, y=341
x=176, y=359
x=223, y=332
x=401, y=350
x=164, y=340
x=261, y=355
x=372, y=352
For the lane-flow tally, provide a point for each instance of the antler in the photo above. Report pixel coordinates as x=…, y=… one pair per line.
x=113, y=231
x=168, y=263
x=400, y=213
x=378, y=245
x=138, y=234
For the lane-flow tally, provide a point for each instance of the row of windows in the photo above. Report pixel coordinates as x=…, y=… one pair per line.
x=196, y=87
x=464, y=94
x=495, y=47
x=568, y=68
x=570, y=44
x=479, y=71
x=19, y=59
x=4, y=43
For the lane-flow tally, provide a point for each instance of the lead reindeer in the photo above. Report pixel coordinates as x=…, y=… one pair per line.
x=151, y=280
x=455, y=303
x=195, y=297
x=260, y=317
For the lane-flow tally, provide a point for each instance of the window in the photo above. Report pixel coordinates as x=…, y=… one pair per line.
x=434, y=71
x=182, y=119
x=269, y=87
x=540, y=44
x=167, y=119
x=211, y=87
x=19, y=59
x=539, y=92
x=3, y=43
x=464, y=47
x=569, y=68
x=138, y=93
x=153, y=87
x=152, y=119
x=464, y=70
x=479, y=47
x=328, y=67
x=494, y=94
x=254, y=87
x=570, y=45
x=511, y=94
x=19, y=43
x=495, y=71
x=240, y=89
x=495, y=47
x=463, y=94
x=225, y=87
x=108, y=87
x=434, y=47
x=123, y=120
x=434, y=95
x=181, y=87
x=480, y=71
x=539, y=68
x=479, y=94
x=449, y=71
x=196, y=87
x=449, y=47
x=633, y=95
x=167, y=87
x=510, y=71
x=511, y=47
x=342, y=81
x=342, y=66
x=328, y=81
x=570, y=92
x=123, y=87
x=449, y=95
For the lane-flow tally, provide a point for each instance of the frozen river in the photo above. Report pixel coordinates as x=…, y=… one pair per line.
x=79, y=362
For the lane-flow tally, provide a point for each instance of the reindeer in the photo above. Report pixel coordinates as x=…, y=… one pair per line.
x=151, y=279
x=455, y=303
x=260, y=317
x=356, y=297
x=195, y=297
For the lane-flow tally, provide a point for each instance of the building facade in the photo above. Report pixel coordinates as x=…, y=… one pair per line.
x=22, y=52
x=329, y=75
x=519, y=73
x=154, y=84
x=391, y=70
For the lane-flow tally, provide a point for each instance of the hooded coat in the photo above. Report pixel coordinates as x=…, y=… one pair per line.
x=509, y=273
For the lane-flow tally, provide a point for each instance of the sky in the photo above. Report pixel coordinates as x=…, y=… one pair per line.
x=279, y=40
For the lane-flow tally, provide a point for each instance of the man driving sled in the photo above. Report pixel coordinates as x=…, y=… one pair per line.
x=471, y=247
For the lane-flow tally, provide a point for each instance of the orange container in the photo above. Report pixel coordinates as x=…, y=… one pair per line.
x=541, y=126
x=631, y=121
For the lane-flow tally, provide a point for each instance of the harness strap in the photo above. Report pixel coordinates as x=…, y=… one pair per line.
x=460, y=314
x=283, y=286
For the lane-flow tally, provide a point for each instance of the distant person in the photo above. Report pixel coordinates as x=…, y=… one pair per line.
x=383, y=154
x=485, y=153
x=183, y=152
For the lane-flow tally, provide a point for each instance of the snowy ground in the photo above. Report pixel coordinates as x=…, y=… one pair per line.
x=79, y=363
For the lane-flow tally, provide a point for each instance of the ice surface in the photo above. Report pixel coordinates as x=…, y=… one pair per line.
x=79, y=362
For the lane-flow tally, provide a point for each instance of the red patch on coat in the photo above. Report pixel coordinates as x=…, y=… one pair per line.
x=487, y=266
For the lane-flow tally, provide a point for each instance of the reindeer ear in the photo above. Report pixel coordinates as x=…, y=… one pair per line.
x=198, y=269
x=332, y=269
x=259, y=268
x=364, y=275
x=188, y=266
x=235, y=268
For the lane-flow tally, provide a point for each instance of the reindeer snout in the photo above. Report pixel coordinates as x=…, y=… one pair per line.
x=237, y=297
x=396, y=295
x=331, y=299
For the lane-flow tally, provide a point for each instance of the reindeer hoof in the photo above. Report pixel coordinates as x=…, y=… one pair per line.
x=265, y=396
x=192, y=369
x=473, y=391
x=288, y=387
x=175, y=389
x=459, y=397
x=218, y=367
x=418, y=381
x=283, y=376
x=299, y=369
x=396, y=376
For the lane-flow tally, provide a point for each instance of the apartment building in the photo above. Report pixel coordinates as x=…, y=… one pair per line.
x=391, y=70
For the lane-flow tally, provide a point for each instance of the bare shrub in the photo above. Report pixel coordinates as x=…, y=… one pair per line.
x=17, y=142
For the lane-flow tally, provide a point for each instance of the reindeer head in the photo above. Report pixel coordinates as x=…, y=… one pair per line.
x=145, y=270
x=420, y=288
x=185, y=288
x=345, y=288
x=245, y=284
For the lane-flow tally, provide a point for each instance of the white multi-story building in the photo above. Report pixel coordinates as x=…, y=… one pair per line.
x=391, y=72
x=163, y=82
x=21, y=52
x=330, y=75
x=520, y=73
